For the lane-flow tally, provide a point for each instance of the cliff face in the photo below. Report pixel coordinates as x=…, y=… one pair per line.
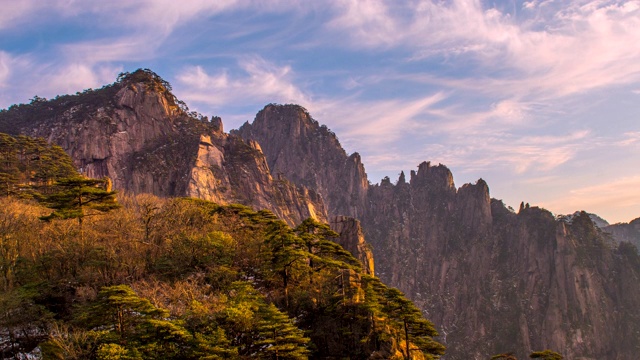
x=352, y=239
x=625, y=232
x=492, y=281
x=288, y=134
x=136, y=132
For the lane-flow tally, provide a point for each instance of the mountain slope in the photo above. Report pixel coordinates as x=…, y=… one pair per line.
x=188, y=279
x=492, y=280
x=629, y=232
x=137, y=133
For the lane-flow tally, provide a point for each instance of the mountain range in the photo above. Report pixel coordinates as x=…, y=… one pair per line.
x=491, y=279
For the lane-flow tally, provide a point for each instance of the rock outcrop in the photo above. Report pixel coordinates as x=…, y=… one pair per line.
x=493, y=281
x=138, y=134
x=287, y=134
x=625, y=232
x=352, y=239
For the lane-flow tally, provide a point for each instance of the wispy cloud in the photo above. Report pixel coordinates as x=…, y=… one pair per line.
x=75, y=77
x=630, y=139
x=612, y=197
x=5, y=69
x=14, y=12
x=259, y=81
x=48, y=80
x=375, y=123
x=545, y=48
x=511, y=153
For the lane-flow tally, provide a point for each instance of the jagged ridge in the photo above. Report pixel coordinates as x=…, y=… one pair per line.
x=137, y=133
x=492, y=280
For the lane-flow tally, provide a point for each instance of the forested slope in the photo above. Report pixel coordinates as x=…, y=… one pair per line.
x=188, y=279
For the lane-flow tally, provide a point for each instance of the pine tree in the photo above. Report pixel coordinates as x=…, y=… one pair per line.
x=415, y=328
x=9, y=172
x=77, y=195
x=280, y=338
x=323, y=251
x=284, y=252
x=121, y=309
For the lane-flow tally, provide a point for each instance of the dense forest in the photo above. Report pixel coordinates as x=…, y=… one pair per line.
x=83, y=276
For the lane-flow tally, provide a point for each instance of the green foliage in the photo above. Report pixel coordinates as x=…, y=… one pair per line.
x=506, y=356
x=279, y=338
x=211, y=282
x=546, y=355
x=75, y=196
x=28, y=166
x=121, y=309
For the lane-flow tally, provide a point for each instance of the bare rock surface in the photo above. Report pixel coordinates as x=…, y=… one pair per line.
x=492, y=280
x=138, y=134
x=352, y=239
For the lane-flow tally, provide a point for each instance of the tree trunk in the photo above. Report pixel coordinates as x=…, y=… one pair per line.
x=406, y=340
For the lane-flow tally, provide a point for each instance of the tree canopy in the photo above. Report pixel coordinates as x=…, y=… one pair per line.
x=191, y=279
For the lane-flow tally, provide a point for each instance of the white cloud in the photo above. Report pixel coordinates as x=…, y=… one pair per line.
x=513, y=154
x=14, y=11
x=5, y=69
x=375, y=123
x=130, y=48
x=562, y=48
x=49, y=80
x=260, y=82
x=76, y=77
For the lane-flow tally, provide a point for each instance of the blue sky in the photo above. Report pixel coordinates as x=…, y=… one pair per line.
x=540, y=98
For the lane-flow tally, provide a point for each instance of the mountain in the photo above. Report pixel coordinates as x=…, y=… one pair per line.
x=492, y=280
x=188, y=279
x=137, y=133
x=309, y=154
x=629, y=232
x=597, y=220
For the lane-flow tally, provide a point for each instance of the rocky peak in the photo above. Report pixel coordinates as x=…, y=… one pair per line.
x=401, y=179
x=473, y=206
x=352, y=239
x=492, y=280
x=139, y=134
x=437, y=177
x=625, y=232
x=301, y=149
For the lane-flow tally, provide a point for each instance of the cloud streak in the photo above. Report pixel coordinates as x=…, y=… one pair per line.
x=544, y=49
x=614, y=198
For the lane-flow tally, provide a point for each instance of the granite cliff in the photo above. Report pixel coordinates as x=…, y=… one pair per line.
x=326, y=165
x=492, y=280
x=629, y=232
x=136, y=132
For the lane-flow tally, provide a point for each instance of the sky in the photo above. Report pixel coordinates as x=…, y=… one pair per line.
x=539, y=98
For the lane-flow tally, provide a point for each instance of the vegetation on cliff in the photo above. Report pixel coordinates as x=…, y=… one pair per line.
x=29, y=166
x=190, y=279
x=85, y=103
